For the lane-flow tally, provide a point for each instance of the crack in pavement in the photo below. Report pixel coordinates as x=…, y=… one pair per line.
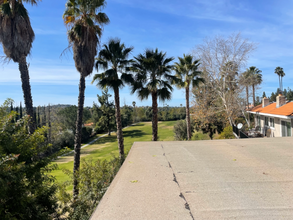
x=175, y=180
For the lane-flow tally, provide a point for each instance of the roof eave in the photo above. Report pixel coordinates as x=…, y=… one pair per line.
x=272, y=115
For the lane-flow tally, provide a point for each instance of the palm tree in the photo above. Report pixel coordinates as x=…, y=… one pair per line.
x=114, y=55
x=16, y=37
x=255, y=79
x=152, y=77
x=84, y=24
x=187, y=73
x=246, y=81
x=279, y=71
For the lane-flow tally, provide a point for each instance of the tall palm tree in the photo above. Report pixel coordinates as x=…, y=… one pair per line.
x=188, y=74
x=255, y=79
x=152, y=76
x=279, y=71
x=246, y=81
x=84, y=20
x=113, y=58
x=16, y=37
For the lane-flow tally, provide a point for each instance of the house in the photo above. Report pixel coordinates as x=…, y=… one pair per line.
x=276, y=116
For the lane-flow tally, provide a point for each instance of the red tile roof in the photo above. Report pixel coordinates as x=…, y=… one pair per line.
x=286, y=110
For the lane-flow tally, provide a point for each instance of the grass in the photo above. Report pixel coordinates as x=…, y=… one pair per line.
x=107, y=146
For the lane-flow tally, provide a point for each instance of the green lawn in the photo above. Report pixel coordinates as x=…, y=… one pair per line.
x=107, y=146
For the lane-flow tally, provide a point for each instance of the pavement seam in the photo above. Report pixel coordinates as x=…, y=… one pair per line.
x=175, y=180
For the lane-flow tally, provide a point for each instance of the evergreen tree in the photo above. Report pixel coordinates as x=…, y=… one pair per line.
x=38, y=119
x=264, y=94
x=20, y=110
x=44, y=118
x=273, y=97
x=11, y=110
x=289, y=94
x=285, y=93
x=17, y=111
x=35, y=115
x=107, y=111
x=49, y=122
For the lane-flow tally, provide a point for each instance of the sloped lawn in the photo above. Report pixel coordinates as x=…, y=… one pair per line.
x=107, y=147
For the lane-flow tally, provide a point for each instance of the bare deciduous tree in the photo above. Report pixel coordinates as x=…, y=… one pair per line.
x=222, y=60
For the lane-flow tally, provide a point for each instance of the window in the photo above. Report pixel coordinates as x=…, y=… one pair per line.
x=272, y=122
x=286, y=128
x=266, y=121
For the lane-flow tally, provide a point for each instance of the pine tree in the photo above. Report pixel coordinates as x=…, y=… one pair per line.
x=11, y=109
x=285, y=93
x=264, y=94
x=17, y=111
x=35, y=114
x=20, y=110
x=273, y=97
x=38, y=119
x=44, y=119
x=49, y=120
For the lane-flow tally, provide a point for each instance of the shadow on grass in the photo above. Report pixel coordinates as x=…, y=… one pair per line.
x=106, y=139
x=133, y=133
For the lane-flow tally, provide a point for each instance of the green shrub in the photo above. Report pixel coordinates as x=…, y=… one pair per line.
x=227, y=133
x=180, y=130
x=27, y=189
x=94, y=178
x=65, y=139
x=200, y=136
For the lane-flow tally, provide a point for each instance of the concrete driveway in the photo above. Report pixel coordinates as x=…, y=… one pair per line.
x=219, y=179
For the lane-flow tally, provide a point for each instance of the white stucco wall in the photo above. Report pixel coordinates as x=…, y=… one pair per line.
x=276, y=131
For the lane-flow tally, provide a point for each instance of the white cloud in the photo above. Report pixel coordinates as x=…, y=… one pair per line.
x=209, y=10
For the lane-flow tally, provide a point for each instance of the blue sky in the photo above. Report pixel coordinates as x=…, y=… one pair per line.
x=175, y=27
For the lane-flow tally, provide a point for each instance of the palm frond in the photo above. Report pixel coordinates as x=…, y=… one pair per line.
x=164, y=94
x=143, y=93
x=101, y=64
x=196, y=82
x=127, y=78
x=112, y=59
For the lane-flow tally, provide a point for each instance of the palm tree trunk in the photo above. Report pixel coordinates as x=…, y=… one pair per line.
x=155, y=115
x=26, y=88
x=279, y=83
x=187, y=113
x=253, y=93
x=77, y=139
x=247, y=96
x=119, y=126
